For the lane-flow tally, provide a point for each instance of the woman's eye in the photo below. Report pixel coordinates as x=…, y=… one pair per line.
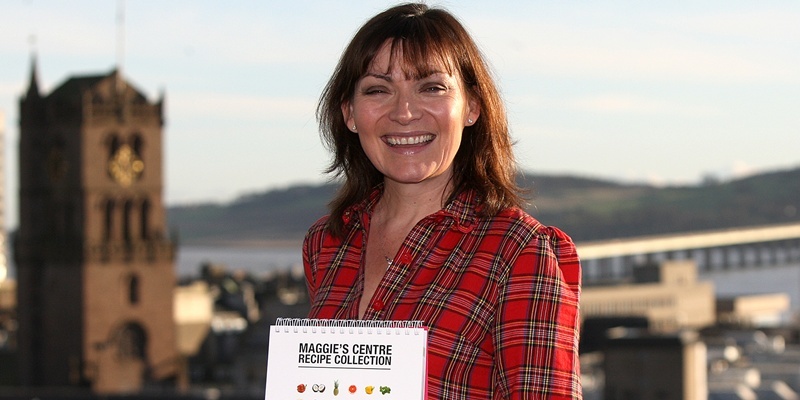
x=374, y=90
x=435, y=88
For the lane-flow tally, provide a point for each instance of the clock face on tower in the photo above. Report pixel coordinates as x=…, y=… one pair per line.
x=125, y=166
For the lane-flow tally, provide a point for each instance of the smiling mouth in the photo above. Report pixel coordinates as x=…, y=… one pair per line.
x=408, y=140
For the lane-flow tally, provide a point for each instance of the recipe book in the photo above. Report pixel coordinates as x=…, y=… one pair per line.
x=351, y=359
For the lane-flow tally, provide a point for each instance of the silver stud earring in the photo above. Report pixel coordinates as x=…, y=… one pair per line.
x=354, y=128
x=469, y=121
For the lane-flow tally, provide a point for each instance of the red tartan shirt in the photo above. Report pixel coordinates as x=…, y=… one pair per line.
x=499, y=296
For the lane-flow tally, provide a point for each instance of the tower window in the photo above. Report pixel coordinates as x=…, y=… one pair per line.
x=137, y=144
x=126, y=221
x=109, y=220
x=134, y=289
x=113, y=145
x=144, y=227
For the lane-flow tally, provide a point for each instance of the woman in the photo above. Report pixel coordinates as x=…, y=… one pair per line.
x=428, y=224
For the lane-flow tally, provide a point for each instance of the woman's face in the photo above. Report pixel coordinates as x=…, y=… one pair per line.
x=409, y=127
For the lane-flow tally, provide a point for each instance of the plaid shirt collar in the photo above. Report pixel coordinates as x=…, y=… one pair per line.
x=462, y=209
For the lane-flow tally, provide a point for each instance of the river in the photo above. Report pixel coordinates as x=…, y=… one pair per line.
x=256, y=260
x=260, y=260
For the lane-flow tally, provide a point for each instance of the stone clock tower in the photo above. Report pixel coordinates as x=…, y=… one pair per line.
x=95, y=268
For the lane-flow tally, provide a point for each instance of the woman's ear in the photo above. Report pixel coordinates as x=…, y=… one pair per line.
x=349, y=119
x=473, y=111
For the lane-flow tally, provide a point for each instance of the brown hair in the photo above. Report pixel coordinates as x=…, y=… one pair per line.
x=484, y=162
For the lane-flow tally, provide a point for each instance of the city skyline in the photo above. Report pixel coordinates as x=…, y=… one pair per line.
x=662, y=93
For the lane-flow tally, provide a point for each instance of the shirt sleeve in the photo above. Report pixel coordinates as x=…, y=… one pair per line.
x=536, y=332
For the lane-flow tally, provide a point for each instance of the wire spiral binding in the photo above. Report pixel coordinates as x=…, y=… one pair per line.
x=349, y=325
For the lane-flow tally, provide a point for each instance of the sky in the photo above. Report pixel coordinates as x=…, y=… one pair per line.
x=661, y=92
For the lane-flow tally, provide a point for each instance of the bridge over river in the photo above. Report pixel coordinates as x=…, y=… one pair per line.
x=747, y=260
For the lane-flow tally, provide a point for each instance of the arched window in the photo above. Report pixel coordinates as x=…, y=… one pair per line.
x=137, y=144
x=113, y=145
x=126, y=220
x=131, y=342
x=144, y=226
x=108, y=227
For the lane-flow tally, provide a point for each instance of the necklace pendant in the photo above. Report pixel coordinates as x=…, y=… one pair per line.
x=389, y=261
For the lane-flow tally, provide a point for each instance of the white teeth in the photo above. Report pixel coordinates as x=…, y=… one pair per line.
x=400, y=141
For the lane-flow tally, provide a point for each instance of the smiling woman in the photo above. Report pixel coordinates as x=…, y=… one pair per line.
x=428, y=224
x=410, y=126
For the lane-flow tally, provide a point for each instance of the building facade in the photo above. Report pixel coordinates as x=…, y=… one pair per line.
x=668, y=295
x=95, y=267
x=650, y=367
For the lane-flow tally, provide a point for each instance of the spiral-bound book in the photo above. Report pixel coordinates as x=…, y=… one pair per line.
x=349, y=359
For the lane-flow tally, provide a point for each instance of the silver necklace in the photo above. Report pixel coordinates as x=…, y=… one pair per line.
x=389, y=261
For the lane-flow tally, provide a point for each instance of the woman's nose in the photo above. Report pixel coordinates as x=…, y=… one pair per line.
x=404, y=108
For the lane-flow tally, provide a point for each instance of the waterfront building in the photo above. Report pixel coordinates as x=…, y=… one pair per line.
x=668, y=295
x=754, y=311
x=95, y=267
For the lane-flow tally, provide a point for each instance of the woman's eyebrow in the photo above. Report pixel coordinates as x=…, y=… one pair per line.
x=388, y=78
x=384, y=77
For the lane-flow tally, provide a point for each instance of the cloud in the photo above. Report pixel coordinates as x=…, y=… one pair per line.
x=741, y=169
x=770, y=25
x=612, y=103
x=632, y=104
x=8, y=89
x=641, y=48
x=264, y=34
x=55, y=29
x=737, y=169
x=239, y=106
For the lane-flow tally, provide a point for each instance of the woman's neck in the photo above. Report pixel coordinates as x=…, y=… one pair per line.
x=408, y=203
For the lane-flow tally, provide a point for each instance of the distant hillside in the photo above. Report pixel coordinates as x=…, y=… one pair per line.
x=588, y=209
x=273, y=215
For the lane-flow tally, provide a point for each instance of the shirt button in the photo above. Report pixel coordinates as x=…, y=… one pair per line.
x=377, y=305
x=405, y=258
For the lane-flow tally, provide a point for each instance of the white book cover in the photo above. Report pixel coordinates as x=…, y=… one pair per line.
x=346, y=359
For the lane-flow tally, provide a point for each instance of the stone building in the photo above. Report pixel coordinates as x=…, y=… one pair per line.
x=668, y=295
x=95, y=267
